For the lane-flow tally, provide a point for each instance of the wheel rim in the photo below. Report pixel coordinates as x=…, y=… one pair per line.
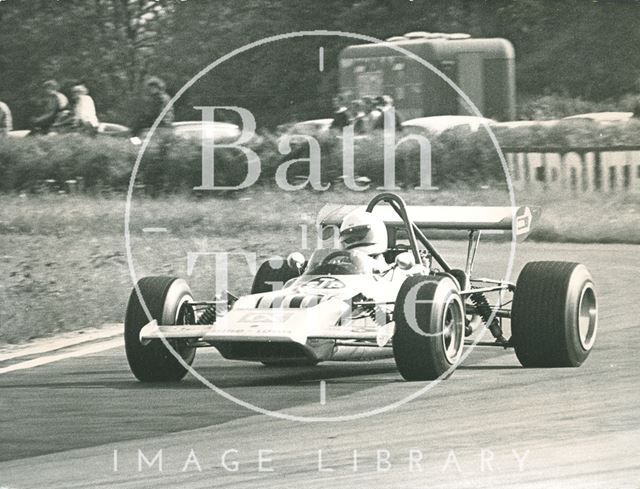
x=587, y=317
x=453, y=330
x=184, y=315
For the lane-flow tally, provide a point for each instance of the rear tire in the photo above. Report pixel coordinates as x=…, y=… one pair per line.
x=164, y=297
x=554, y=318
x=427, y=350
x=272, y=275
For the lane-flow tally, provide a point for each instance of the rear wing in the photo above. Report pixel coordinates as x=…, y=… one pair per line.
x=499, y=220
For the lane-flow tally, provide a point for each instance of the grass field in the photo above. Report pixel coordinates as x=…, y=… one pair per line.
x=64, y=265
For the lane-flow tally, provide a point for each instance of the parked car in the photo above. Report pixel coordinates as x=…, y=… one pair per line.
x=195, y=130
x=106, y=128
x=312, y=127
x=20, y=133
x=219, y=132
x=440, y=123
x=112, y=129
x=524, y=124
x=602, y=117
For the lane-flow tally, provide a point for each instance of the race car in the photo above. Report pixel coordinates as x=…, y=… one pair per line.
x=383, y=290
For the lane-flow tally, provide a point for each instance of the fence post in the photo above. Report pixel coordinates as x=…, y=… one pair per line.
x=589, y=161
x=573, y=162
x=553, y=178
x=633, y=160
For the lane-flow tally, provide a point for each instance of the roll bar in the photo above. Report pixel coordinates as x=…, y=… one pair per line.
x=413, y=231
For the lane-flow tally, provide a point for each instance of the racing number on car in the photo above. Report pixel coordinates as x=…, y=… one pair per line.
x=260, y=318
x=324, y=283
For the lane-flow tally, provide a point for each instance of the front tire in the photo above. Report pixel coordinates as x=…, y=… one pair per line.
x=164, y=297
x=554, y=318
x=429, y=335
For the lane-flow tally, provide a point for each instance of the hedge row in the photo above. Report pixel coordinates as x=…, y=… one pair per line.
x=171, y=164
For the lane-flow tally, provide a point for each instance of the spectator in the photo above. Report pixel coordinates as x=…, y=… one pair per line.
x=341, y=116
x=368, y=104
x=374, y=113
x=56, y=108
x=6, y=123
x=153, y=103
x=358, y=116
x=386, y=103
x=84, y=110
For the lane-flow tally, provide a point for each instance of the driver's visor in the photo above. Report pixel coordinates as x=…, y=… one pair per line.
x=354, y=234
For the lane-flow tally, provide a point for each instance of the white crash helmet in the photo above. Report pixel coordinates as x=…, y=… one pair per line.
x=363, y=231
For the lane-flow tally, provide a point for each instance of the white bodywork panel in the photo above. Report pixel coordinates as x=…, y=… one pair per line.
x=268, y=318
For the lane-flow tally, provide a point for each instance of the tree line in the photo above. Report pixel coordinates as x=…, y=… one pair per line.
x=579, y=48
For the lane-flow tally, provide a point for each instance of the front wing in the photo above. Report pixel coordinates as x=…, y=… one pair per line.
x=327, y=320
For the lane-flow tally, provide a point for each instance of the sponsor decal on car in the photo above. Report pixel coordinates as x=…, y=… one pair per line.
x=258, y=317
x=323, y=283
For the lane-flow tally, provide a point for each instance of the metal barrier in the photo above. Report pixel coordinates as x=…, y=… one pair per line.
x=612, y=169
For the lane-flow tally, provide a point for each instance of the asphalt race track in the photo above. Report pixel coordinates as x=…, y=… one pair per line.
x=84, y=422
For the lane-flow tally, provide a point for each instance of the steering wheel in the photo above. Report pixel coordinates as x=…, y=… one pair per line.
x=344, y=268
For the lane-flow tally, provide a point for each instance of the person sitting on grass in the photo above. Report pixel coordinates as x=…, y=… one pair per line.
x=152, y=103
x=84, y=115
x=56, y=108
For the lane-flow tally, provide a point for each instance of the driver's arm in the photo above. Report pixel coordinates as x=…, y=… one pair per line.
x=379, y=265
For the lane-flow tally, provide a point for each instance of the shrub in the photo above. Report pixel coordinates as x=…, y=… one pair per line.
x=172, y=165
x=557, y=106
x=25, y=163
x=571, y=134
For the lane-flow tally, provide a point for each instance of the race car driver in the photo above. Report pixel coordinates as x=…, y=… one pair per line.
x=362, y=231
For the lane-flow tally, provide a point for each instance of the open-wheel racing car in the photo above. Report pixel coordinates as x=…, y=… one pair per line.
x=385, y=291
